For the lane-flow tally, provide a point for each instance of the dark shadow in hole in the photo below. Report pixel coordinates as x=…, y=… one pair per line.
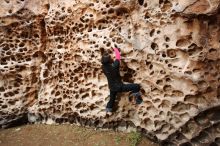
x=23, y=120
x=141, y=2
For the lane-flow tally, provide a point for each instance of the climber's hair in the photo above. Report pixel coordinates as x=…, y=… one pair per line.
x=106, y=58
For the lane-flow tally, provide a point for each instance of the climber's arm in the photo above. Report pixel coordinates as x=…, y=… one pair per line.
x=117, y=54
x=116, y=63
x=118, y=57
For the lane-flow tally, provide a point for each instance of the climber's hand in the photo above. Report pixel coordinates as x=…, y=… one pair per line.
x=113, y=49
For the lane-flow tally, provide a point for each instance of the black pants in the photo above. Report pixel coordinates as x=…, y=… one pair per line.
x=134, y=88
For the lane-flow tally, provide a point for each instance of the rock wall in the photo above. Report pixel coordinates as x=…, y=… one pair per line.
x=50, y=65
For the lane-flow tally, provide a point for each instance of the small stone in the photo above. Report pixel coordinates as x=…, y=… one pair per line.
x=18, y=129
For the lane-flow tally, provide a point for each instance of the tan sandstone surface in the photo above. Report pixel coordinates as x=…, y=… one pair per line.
x=50, y=68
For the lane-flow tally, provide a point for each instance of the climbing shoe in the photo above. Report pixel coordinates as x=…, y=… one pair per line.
x=139, y=100
x=109, y=110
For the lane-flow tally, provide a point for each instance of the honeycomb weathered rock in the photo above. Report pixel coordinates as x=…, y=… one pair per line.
x=50, y=65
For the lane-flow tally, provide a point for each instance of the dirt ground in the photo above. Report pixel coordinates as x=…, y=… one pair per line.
x=65, y=135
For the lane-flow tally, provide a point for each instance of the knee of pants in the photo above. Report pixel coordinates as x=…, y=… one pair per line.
x=138, y=87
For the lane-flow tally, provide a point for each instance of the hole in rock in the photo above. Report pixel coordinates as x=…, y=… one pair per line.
x=85, y=95
x=159, y=82
x=213, y=144
x=152, y=32
x=20, y=120
x=182, y=42
x=107, y=5
x=11, y=102
x=2, y=89
x=217, y=140
x=110, y=11
x=151, y=73
x=209, y=89
x=57, y=93
x=192, y=46
x=121, y=11
x=141, y=2
x=104, y=12
x=167, y=88
x=167, y=39
x=164, y=104
x=146, y=16
x=108, y=44
x=203, y=136
x=180, y=107
x=162, y=72
x=212, y=50
x=188, y=72
x=168, y=79
x=177, y=93
x=167, y=5
x=4, y=106
x=171, y=53
x=164, y=55
x=145, y=5
x=6, y=48
x=154, y=46
x=186, y=144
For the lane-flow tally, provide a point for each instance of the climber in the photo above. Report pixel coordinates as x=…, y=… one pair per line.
x=111, y=71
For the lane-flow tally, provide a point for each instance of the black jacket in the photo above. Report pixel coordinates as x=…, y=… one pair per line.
x=112, y=73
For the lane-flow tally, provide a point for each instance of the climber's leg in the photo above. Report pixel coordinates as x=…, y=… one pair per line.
x=111, y=102
x=135, y=89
